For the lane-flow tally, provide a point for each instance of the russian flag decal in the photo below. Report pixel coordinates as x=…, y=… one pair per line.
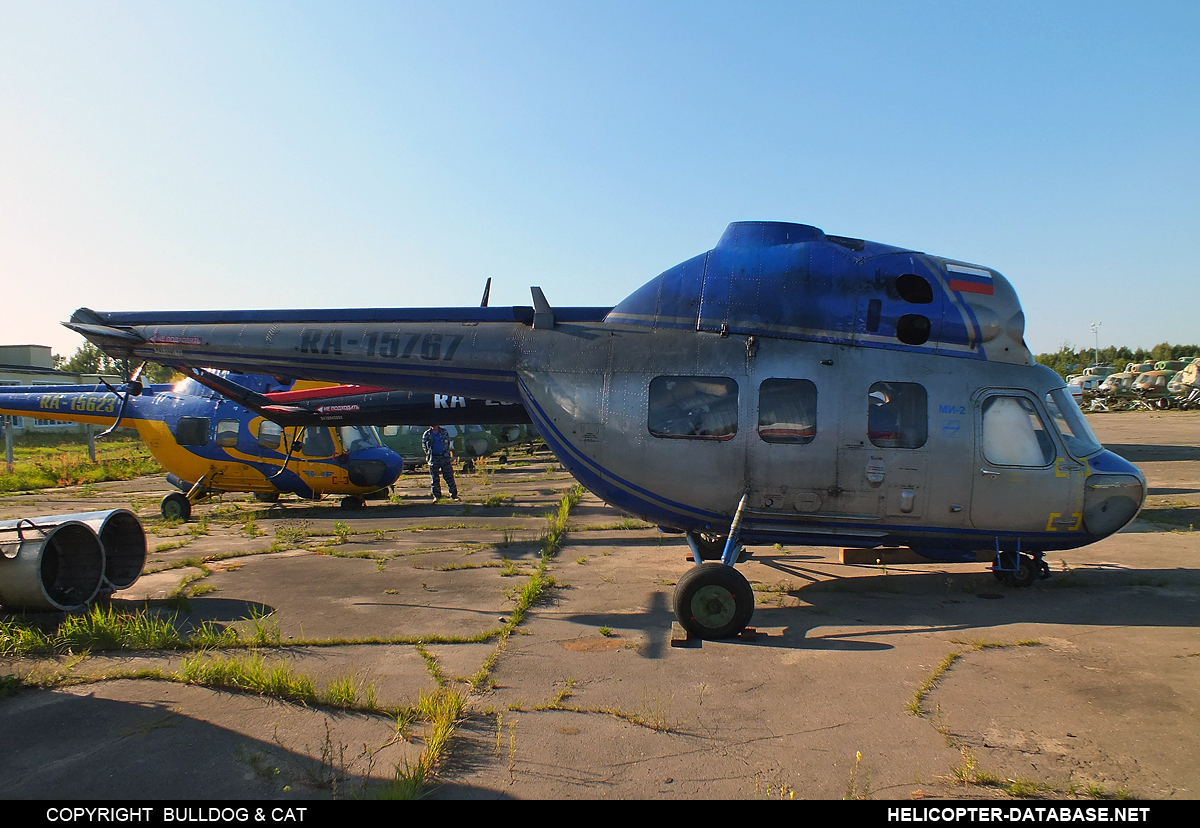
x=969, y=279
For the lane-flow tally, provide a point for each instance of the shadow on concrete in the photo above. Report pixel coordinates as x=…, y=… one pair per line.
x=65, y=746
x=903, y=603
x=1135, y=452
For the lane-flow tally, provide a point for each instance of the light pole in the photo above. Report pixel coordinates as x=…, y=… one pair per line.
x=1096, y=331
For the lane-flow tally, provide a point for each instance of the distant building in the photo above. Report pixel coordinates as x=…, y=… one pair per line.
x=34, y=365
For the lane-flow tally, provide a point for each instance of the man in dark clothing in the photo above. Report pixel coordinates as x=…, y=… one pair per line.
x=436, y=443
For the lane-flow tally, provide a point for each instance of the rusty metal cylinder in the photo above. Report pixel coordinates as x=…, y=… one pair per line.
x=49, y=564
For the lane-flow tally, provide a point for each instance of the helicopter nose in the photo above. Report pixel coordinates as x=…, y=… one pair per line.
x=374, y=467
x=1113, y=494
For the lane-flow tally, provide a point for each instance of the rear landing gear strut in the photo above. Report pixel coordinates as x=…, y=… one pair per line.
x=714, y=600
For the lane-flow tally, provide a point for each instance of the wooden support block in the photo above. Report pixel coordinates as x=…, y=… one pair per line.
x=871, y=557
x=895, y=555
x=681, y=638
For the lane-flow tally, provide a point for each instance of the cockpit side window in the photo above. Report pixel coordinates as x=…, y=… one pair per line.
x=787, y=411
x=697, y=408
x=192, y=431
x=897, y=415
x=317, y=442
x=1014, y=434
x=227, y=433
x=269, y=434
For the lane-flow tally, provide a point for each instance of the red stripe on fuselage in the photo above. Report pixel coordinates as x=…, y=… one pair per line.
x=971, y=287
x=328, y=392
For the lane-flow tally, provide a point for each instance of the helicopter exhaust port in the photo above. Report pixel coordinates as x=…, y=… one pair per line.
x=124, y=543
x=54, y=558
x=49, y=564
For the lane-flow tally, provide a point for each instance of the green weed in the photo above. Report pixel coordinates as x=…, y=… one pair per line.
x=250, y=674
x=860, y=780
x=52, y=460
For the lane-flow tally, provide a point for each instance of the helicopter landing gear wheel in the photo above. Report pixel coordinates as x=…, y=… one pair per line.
x=176, y=506
x=352, y=503
x=1026, y=573
x=713, y=601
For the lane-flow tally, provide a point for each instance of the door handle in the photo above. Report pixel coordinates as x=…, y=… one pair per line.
x=990, y=472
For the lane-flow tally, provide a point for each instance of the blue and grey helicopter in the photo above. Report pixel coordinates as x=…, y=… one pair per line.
x=786, y=386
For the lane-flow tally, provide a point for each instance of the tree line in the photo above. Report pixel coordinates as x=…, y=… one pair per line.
x=1066, y=360
x=88, y=359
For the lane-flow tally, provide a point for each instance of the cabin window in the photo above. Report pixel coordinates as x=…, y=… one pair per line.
x=227, y=433
x=897, y=415
x=1014, y=434
x=192, y=431
x=317, y=442
x=392, y=430
x=269, y=434
x=787, y=411
x=696, y=408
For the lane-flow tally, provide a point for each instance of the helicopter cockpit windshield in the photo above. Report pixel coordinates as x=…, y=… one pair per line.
x=1076, y=433
x=356, y=438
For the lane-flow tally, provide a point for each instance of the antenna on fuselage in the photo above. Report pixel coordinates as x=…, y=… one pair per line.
x=487, y=290
x=133, y=388
x=543, y=314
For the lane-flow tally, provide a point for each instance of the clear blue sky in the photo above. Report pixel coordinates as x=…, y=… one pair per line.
x=225, y=155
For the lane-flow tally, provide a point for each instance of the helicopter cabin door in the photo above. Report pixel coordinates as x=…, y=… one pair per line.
x=793, y=450
x=316, y=455
x=1024, y=481
x=882, y=466
x=237, y=447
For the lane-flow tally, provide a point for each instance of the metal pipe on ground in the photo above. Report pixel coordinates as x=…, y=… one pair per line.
x=54, y=565
x=124, y=542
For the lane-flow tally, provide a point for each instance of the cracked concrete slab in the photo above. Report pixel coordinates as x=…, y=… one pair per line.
x=587, y=698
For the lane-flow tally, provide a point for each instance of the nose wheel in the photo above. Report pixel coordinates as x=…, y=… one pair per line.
x=1017, y=569
x=713, y=600
x=176, y=506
